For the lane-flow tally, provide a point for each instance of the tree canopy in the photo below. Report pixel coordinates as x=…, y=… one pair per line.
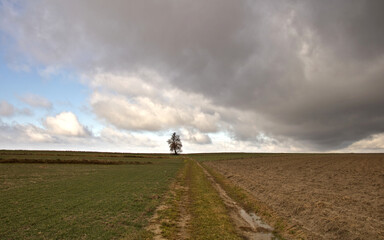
x=175, y=144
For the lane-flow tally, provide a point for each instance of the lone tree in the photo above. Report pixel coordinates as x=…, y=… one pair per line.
x=175, y=144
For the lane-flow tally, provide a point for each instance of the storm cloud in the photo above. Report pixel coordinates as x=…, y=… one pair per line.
x=310, y=72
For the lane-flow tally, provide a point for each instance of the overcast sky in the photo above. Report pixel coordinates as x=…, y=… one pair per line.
x=254, y=76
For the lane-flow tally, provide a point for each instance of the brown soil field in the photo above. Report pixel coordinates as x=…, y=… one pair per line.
x=332, y=196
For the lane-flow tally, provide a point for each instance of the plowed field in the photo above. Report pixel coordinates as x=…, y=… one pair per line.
x=332, y=196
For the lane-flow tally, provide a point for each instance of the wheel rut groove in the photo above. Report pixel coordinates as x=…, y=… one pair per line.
x=248, y=225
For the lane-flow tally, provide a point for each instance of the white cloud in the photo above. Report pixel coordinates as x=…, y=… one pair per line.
x=121, y=138
x=146, y=102
x=134, y=114
x=373, y=143
x=67, y=124
x=159, y=107
x=35, y=134
x=6, y=109
x=16, y=134
x=195, y=137
x=34, y=100
x=19, y=136
x=126, y=84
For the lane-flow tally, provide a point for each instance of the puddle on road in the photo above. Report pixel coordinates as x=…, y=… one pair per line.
x=261, y=230
x=255, y=221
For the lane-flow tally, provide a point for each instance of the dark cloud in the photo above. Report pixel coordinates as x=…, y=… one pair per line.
x=312, y=70
x=350, y=28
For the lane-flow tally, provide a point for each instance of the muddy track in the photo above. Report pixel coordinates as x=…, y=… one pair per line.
x=248, y=225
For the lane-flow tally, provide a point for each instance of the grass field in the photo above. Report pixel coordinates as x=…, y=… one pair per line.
x=81, y=201
x=90, y=195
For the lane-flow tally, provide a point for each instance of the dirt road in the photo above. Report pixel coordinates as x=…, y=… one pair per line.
x=183, y=216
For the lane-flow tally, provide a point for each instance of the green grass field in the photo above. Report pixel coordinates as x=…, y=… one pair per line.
x=81, y=201
x=90, y=195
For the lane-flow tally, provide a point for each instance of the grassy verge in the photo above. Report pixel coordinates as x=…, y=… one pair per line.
x=169, y=217
x=210, y=218
x=170, y=214
x=283, y=229
x=78, y=201
x=207, y=215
